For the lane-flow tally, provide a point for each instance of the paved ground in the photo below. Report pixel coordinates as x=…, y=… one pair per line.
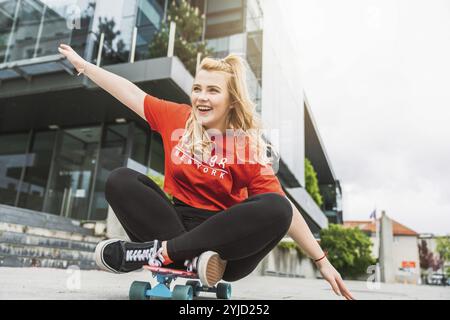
x=41, y=283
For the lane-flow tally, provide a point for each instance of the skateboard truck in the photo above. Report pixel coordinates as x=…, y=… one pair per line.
x=141, y=290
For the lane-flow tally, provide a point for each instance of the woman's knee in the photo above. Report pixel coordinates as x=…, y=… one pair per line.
x=117, y=178
x=279, y=207
x=123, y=180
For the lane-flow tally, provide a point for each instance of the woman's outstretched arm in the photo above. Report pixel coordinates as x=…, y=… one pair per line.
x=302, y=235
x=120, y=88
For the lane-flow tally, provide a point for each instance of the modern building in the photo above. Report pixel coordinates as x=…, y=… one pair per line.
x=61, y=136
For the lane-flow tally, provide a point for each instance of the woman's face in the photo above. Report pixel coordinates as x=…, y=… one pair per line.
x=210, y=92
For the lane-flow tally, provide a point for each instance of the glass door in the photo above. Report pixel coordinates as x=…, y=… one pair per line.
x=112, y=155
x=71, y=179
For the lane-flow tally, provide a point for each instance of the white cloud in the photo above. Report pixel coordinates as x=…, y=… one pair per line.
x=377, y=77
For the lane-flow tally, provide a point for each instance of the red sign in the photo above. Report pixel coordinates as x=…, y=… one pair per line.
x=408, y=264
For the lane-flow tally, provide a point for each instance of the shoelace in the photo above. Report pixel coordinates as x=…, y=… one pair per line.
x=191, y=264
x=155, y=257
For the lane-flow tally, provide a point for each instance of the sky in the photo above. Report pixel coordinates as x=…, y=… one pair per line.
x=377, y=77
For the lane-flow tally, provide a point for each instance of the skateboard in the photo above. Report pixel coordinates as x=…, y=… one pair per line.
x=141, y=290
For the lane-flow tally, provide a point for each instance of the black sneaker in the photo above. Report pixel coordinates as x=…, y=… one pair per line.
x=208, y=266
x=119, y=256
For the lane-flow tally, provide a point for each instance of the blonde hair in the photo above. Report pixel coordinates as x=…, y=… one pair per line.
x=243, y=118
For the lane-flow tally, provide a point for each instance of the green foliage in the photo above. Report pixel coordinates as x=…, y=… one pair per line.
x=427, y=259
x=288, y=245
x=110, y=55
x=159, y=180
x=328, y=193
x=107, y=26
x=443, y=248
x=188, y=35
x=349, y=250
x=312, y=184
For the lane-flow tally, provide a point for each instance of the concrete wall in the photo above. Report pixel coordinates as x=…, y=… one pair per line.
x=114, y=229
x=283, y=262
x=405, y=249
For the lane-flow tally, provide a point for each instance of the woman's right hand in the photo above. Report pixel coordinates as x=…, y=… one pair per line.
x=120, y=88
x=78, y=62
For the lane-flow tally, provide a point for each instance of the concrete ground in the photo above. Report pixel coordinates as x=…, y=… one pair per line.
x=43, y=283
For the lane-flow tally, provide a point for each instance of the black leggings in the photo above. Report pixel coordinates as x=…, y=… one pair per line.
x=243, y=234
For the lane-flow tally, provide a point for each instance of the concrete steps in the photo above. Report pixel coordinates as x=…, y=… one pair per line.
x=36, y=239
x=38, y=219
x=18, y=228
x=44, y=252
x=41, y=241
x=19, y=261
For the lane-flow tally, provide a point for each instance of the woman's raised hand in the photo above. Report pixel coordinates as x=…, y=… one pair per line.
x=78, y=62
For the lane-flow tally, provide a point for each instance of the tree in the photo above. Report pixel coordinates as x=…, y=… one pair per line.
x=110, y=55
x=427, y=259
x=188, y=35
x=349, y=250
x=312, y=184
x=443, y=248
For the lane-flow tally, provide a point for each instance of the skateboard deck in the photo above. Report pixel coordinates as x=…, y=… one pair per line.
x=172, y=272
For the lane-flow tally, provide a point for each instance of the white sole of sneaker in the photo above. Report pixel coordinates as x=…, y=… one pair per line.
x=99, y=255
x=210, y=268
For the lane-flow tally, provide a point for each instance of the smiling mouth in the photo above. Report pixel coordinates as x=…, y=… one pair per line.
x=204, y=109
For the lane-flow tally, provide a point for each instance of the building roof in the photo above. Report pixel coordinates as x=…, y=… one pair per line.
x=369, y=226
x=315, y=148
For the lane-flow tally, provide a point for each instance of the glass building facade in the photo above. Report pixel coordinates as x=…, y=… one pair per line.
x=235, y=26
x=62, y=170
x=57, y=147
x=30, y=29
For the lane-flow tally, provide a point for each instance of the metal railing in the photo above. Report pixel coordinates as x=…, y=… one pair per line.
x=132, y=56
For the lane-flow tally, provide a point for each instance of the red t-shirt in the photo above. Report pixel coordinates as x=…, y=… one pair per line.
x=213, y=186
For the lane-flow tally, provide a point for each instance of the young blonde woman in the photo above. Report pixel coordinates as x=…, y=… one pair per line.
x=229, y=209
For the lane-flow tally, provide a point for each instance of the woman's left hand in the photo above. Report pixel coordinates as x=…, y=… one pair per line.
x=330, y=274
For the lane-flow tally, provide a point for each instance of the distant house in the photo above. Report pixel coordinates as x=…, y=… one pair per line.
x=405, y=252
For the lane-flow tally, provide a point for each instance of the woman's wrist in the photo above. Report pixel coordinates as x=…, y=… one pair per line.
x=320, y=260
x=323, y=256
x=82, y=67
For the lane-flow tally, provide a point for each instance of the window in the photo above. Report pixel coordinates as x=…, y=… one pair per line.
x=37, y=170
x=12, y=160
